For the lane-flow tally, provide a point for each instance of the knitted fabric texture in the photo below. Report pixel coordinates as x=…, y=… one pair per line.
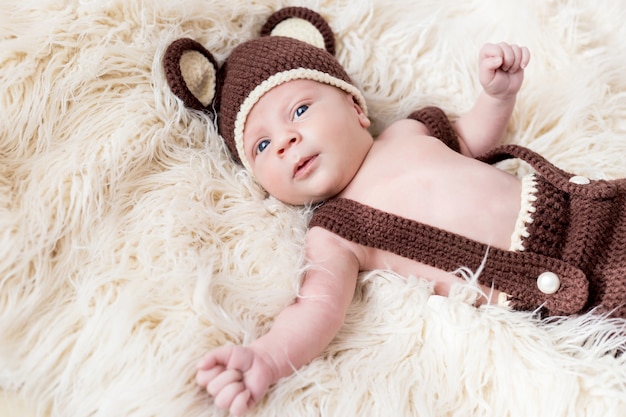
x=439, y=126
x=179, y=82
x=305, y=14
x=257, y=66
x=584, y=225
x=578, y=232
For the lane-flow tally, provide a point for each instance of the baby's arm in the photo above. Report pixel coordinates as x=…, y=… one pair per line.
x=238, y=376
x=501, y=72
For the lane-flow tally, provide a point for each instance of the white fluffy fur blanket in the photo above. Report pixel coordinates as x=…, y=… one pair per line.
x=130, y=244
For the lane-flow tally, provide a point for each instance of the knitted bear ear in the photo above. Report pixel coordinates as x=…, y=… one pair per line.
x=302, y=24
x=191, y=73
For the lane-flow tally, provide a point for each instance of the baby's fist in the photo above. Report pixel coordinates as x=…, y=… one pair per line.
x=501, y=70
x=236, y=377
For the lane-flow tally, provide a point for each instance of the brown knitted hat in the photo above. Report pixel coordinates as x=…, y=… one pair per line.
x=295, y=43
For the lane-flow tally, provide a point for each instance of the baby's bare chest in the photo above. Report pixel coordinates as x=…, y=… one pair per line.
x=428, y=183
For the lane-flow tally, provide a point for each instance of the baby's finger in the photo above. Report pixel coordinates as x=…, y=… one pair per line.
x=518, y=54
x=203, y=377
x=489, y=50
x=508, y=56
x=525, y=57
x=229, y=376
x=492, y=63
x=241, y=358
x=218, y=356
x=241, y=403
x=490, y=58
x=224, y=399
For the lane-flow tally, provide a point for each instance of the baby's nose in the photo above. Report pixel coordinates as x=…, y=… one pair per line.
x=287, y=143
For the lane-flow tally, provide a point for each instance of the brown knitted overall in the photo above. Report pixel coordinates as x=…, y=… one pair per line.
x=578, y=232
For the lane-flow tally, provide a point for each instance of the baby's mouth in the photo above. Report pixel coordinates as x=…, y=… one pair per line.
x=301, y=168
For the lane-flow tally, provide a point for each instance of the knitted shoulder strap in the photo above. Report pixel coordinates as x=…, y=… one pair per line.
x=439, y=126
x=556, y=176
x=511, y=272
x=507, y=271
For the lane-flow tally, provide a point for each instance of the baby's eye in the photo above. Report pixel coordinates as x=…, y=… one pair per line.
x=262, y=145
x=300, y=111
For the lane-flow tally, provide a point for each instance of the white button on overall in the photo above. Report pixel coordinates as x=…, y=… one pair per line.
x=548, y=282
x=580, y=180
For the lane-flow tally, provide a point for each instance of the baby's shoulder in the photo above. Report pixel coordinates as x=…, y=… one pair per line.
x=406, y=132
x=403, y=129
x=408, y=126
x=322, y=243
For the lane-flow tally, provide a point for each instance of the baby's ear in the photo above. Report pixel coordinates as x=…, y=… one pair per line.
x=302, y=24
x=191, y=73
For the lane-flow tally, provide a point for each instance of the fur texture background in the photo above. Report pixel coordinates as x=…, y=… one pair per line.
x=130, y=244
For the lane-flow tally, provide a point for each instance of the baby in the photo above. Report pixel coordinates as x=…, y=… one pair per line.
x=416, y=200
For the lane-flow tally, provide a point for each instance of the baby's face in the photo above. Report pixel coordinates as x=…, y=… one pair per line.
x=305, y=141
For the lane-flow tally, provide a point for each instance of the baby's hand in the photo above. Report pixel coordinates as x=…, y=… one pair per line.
x=501, y=68
x=236, y=376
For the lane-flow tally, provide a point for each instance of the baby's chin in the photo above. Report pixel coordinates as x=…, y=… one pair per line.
x=303, y=196
x=302, y=200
